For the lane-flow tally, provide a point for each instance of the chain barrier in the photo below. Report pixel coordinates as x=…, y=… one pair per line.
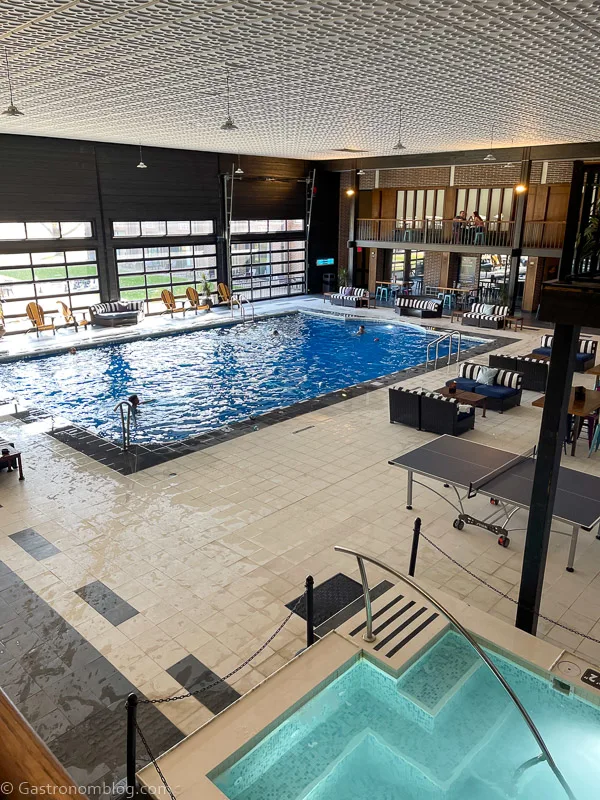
x=229, y=674
x=504, y=594
x=145, y=701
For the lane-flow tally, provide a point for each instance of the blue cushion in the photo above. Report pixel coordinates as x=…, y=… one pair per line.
x=542, y=351
x=465, y=384
x=583, y=356
x=463, y=415
x=495, y=391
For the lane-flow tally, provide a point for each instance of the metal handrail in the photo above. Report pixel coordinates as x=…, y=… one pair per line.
x=125, y=422
x=370, y=637
x=437, y=343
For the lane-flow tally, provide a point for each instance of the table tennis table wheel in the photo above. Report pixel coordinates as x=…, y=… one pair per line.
x=494, y=502
x=458, y=524
x=503, y=541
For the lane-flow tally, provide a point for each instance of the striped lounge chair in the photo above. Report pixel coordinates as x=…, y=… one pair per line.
x=425, y=307
x=483, y=315
x=351, y=297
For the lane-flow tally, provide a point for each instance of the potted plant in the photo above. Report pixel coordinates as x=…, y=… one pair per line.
x=342, y=276
x=205, y=289
x=452, y=387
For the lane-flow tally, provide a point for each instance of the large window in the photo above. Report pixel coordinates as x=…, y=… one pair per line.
x=417, y=262
x=18, y=231
x=145, y=271
x=131, y=230
x=70, y=276
x=240, y=226
x=492, y=204
x=268, y=269
x=419, y=204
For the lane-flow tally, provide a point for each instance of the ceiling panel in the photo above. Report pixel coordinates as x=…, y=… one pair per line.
x=307, y=77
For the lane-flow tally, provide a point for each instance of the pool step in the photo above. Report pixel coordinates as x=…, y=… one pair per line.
x=403, y=623
x=439, y=674
x=368, y=767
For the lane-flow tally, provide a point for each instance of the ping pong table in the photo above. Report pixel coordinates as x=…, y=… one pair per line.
x=506, y=478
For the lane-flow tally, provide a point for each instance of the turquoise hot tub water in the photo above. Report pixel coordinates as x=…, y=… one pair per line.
x=445, y=730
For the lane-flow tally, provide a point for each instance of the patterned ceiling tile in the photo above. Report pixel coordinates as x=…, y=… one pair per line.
x=306, y=77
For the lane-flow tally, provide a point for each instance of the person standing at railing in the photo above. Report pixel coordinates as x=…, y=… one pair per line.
x=476, y=225
x=458, y=224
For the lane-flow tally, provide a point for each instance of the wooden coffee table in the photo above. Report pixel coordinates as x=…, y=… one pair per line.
x=595, y=370
x=8, y=459
x=537, y=357
x=469, y=398
x=515, y=322
x=580, y=409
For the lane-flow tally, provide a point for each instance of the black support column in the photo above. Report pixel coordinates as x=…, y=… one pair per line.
x=517, y=244
x=552, y=433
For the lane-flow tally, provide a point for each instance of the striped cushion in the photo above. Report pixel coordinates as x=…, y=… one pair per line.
x=587, y=346
x=501, y=311
x=506, y=377
x=116, y=306
x=494, y=317
x=469, y=371
x=547, y=341
x=478, y=308
x=414, y=302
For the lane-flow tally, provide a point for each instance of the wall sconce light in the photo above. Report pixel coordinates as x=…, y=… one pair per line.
x=350, y=192
x=520, y=188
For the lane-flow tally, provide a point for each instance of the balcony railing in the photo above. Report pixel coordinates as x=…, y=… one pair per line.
x=492, y=233
x=544, y=235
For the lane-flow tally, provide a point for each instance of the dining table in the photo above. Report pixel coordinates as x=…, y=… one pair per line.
x=578, y=409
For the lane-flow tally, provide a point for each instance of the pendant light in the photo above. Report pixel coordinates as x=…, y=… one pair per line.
x=141, y=165
x=12, y=110
x=399, y=145
x=239, y=170
x=229, y=124
x=490, y=156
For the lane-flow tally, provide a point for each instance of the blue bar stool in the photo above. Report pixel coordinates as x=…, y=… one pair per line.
x=448, y=301
x=380, y=292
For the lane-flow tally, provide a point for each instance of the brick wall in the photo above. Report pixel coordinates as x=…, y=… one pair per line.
x=560, y=172
x=487, y=175
x=432, y=269
x=412, y=177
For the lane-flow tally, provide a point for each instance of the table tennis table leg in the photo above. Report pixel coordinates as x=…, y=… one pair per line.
x=409, y=490
x=572, y=549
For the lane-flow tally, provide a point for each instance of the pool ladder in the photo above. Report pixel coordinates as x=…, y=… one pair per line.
x=125, y=409
x=241, y=300
x=370, y=637
x=436, y=343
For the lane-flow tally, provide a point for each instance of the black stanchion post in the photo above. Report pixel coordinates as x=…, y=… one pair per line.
x=415, y=547
x=310, y=614
x=132, y=704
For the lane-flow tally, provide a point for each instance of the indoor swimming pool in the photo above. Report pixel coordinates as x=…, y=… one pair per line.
x=205, y=379
x=445, y=730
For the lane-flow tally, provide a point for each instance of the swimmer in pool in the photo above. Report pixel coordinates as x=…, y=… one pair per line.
x=275, y=333
x=376, y=339
x=361, y=330
x=72, y=351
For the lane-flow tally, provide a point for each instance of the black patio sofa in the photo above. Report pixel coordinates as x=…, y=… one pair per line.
x=424, y=307
x=534, y=372
x=585, y=357
x=429, y=411
x=503, y=394
x=117, y=313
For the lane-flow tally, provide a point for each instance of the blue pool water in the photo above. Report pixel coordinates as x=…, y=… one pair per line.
x=205, y=379
x=445, y=730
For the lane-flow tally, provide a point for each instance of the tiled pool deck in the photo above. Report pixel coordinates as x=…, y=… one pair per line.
x=163, y=578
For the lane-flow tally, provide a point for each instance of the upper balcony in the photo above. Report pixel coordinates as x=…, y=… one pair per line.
x=540, y=238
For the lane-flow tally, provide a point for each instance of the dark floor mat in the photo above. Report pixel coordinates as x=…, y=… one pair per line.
x=350, y=610
x=329, y=597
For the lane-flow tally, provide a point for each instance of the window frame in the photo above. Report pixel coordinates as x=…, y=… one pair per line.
x=166, y=235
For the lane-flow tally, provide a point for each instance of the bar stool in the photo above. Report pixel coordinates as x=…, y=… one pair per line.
x=379, y=292
x=394, y=291
x=448, y=301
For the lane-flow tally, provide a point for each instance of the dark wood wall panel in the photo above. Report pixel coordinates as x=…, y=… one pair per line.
x=255, y=197
x=47, y=180
x=178, y=184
